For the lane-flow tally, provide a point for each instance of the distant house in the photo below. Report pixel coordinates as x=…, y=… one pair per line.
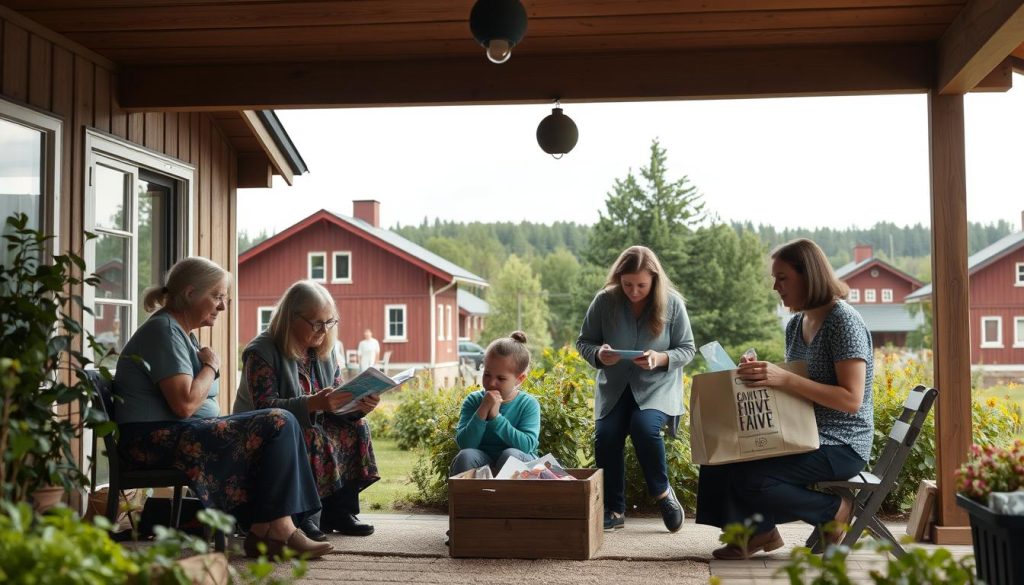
x=878, y=291
x=473, y=313
x=407, y=295
x=996, y=289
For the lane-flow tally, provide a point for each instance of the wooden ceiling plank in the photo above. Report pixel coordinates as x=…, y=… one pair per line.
x=404, y=34
x=546, y=46
x=361, y=13
x=530, y=79
x=985, y=33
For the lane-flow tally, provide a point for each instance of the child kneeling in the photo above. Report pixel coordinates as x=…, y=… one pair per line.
x=499, y=422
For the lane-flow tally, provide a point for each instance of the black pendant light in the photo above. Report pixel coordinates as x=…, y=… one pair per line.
x=498, y=25
x=557, y=133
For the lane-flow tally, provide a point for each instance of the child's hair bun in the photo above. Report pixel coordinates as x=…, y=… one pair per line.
x=518, y=336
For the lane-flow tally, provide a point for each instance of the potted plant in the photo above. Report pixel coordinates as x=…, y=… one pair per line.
x=996, y=536
x=40, y=365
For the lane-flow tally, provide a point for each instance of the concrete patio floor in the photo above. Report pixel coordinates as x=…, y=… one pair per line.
x=409, y=548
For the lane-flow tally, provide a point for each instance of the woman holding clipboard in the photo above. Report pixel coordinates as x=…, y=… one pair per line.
x=637, y=334
x=292, y=366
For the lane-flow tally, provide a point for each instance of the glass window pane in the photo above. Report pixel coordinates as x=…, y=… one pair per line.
x=21, y=173
x=991, y=334
x=155, y=204
x=111, y=197
x=113, y=329
x=111, y=253
x=1019, y=339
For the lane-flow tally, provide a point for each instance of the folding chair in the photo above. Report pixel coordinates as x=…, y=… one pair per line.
x=869, y=489
x=124, y=479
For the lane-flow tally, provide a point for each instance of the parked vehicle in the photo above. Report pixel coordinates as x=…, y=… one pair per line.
x=470, y=352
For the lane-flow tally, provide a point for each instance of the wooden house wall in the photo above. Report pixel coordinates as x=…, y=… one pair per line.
x=41, y=69
x=885, y=279
x=994, y=294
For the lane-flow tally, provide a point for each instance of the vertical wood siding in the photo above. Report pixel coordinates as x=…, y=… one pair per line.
x=994, y=294
x=885, y=279
x=73, y=87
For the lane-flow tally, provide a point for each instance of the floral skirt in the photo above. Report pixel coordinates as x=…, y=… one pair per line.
x=244, y=464
x=341, y=454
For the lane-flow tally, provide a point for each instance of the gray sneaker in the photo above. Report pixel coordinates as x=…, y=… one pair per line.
x=613, y=522
x=671, y=511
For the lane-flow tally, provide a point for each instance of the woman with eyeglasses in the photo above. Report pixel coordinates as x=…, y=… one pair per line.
x=292, y=366
x=166, y=381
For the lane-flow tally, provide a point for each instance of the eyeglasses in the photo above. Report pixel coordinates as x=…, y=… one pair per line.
x=221, y=299
x=319, y=326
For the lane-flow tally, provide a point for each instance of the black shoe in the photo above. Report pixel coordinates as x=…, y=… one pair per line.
x=613, y=521
x=349, y=525
x=312, y=530
x=671, y=511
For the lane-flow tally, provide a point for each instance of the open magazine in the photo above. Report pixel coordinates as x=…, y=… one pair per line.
x=371, y=382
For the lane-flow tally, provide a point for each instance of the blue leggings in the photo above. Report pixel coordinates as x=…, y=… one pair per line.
x=644, y=428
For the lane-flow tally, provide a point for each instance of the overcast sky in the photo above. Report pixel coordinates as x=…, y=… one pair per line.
x=797, y=162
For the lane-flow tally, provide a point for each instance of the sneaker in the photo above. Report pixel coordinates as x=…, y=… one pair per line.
x=671, y=511
x=613, y=521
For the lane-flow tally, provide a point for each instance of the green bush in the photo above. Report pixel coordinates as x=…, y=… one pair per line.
x=438, y=449
x=382, y=422
x=415, y=419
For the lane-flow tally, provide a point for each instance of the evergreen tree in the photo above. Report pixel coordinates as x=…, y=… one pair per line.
x=658, y=214
x=558, y=271
x=517, y=301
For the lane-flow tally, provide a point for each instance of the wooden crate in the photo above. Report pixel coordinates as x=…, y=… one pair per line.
x=527, y=519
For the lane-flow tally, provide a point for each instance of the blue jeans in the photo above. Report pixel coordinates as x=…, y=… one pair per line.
x=776, y=488
x=473, y=458
x=644, y=428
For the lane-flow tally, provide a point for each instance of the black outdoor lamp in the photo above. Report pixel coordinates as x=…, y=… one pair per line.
x=557, y=133
x=498, y=25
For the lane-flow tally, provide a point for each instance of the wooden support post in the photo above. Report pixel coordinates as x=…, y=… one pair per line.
x=950, y=306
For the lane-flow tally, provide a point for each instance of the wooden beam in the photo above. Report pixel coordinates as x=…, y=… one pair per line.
x=254, y=171
x=950, y=302
x=532, y=78
x=55, y=38
x=982, y=35
x=999, y=79
x=277, y=158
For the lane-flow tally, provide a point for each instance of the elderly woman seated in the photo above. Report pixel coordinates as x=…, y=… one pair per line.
x=166, y=380
x=292, y=366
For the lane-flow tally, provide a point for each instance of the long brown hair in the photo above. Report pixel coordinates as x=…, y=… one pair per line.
x=637, y=259
x=808, y=260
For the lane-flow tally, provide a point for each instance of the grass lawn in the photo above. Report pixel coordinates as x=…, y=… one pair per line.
x=393, y=491
x=1012, y=392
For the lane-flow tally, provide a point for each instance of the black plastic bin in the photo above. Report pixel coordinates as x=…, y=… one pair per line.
x=998, y=542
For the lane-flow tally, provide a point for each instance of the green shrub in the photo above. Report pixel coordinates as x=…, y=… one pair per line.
x=382, y=422
x=415, y=419
x=438, y=449
x=563, y=386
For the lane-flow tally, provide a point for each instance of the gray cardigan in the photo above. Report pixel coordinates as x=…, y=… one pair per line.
x=289, y=391
x=609, y=320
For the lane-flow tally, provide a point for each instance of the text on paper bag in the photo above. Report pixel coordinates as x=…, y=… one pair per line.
x=755, y=409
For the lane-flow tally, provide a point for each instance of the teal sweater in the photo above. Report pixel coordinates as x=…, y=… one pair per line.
x=517, y=426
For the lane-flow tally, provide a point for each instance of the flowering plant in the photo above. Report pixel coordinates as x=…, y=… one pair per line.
x=992, y=469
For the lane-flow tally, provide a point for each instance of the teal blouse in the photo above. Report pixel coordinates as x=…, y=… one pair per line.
x=517, y=426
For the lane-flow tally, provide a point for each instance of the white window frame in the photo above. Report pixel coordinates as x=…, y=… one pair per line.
x=1020, y=274
x=309, y=266
x=886, y=295
x=334, y=267
x=869, y=295
x=259, y=318
x=440, y=322
x=387, y=324
x=999, y=332
x=854, y=295
x=448, y=318
x=52, y=130
x=1018, y=331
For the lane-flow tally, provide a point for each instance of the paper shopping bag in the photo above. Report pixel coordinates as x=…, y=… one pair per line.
x=731, y=422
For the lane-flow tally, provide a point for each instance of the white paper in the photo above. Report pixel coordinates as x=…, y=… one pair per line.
x=511, y=467
x=371, y=382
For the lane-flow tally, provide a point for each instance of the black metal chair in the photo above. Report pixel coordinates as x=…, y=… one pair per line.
x=122, y=478
x=869, y=489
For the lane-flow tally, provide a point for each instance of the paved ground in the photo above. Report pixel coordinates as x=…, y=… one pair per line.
x=410, y=549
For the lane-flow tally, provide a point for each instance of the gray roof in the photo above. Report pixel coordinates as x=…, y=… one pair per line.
x=472, y=304
x=458, y=273
x=978, y=260
x=850, y=267
x=889, y=317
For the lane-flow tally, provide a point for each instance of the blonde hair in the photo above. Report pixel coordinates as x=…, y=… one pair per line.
x=513, y=346
x=196, y=272
x=808, y=260
x=301, y=297
x=637, y=259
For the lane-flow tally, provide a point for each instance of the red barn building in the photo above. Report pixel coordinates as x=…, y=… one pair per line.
x=878, y=291
x=405, y=294
x=996, y=289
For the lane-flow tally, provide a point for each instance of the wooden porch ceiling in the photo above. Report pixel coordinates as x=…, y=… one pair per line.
x=235, y=54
